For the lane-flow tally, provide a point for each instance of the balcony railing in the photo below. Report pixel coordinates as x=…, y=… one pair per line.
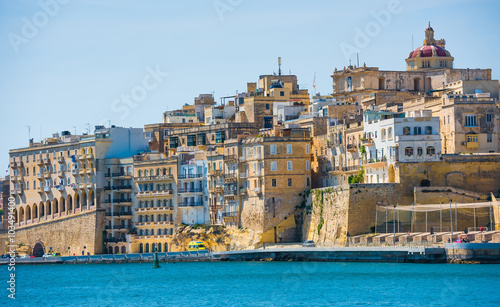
x=190, y=190
x=118, y=187
x=154, y=178
x=117, y=201
x=60, y=174
x=230, y=214
x=117, y=227
x=46, y=189
x=119, y=213
x=154, y=209
x=244, y=175
x=115, y=240
x=190, y=176
x=161, y=223
x=191, y=204
x=230, y=158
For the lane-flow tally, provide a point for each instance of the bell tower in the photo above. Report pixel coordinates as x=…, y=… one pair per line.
x=429, y=36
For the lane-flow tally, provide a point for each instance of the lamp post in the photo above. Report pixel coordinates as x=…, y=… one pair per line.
x=386, y=206
x=441, y=217
x=451, y=221
x=394, y=225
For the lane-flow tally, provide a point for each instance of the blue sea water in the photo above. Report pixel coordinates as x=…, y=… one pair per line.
x=254, y=284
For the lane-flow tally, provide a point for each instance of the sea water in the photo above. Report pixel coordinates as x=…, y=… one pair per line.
x=254, y=284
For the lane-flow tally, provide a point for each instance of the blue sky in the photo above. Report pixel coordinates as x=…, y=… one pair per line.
x=79, y=60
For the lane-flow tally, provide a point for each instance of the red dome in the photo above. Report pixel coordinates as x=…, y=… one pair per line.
x=427, y=51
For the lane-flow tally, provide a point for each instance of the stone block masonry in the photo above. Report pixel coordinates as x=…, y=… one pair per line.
x=76, y=231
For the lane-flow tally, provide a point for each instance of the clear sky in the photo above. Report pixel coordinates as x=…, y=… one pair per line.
x=66, y=64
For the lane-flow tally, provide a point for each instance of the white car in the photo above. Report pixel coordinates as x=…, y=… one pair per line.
x=47, y=255
x=24, y=256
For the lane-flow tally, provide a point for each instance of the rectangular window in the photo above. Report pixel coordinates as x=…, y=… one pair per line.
x=27, y=185
x=489, y=138
x=470, y=121
x=409, y=151
x=282, y=93
x=289, y=165
x=471, y=137
x=489, y=118
x=308, y=181
x=34, y=185
x=267, y=106
x=308, y=165
x=273, y=149
x=307, y=148
x=274, y=166
x=289, y=182
x=289, y=149
x=273, y=182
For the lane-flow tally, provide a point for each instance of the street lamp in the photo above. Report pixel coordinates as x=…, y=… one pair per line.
x=394, y=225
x=451, y=222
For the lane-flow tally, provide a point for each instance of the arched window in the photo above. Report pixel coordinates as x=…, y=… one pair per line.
x=431, y=150
x=383, y=134
x=406, y=131
x=428, y=130
x=419, y=151
x=140, y=173
x=409, y=151
x=389, y=134
x=146, y=172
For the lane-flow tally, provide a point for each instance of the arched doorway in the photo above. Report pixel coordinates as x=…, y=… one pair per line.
x=48, y=207
x=425, y=183
x=28, y=213
x=159, y=247
x=110, y=250
x=124, y=250
x=147, y=247
x=21, y=214
x=38, y=250
x=77, y=201
x=70, y=203
x=55, y=205
x=141, y=248
x=84, y=201
x=166, y=247
x=117, y=250
x=35, y=211
x=42, y=209
x=63, y=205
x=392, y=174
x=91, y=198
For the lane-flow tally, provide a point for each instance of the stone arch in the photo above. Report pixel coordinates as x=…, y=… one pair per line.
x=425, y=183
x=35, y=211
x=166, y=248
x=455, y=179
x=164, y=171
x=416, y=84
x=41, y=209
x=28, y=213
x=141, y=248
x=83, y=200
x=77, y=201
x=21, y=214
x=55, y=206
x=48, y=207
x=124, y=250
x=117, y=250
x=110, y=250
x=62, y=205
x=16, y=216
x=392, y=174
x=38, y=249
x=91, y=198
x=147, y=247
x=70, y=203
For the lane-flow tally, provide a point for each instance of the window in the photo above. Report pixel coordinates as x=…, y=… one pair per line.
x=470, y=121
x=382, y=134
x=428, y=130
x=289, y=149
x=409, y=151
x=282, y=93
x=389, y=134
x=273, y=182
x=431, y=151
x=471, y=137
x=274, y=166
x=289, y=182
x=489, y=117
x=307, y=148
x=308, y=181
x=34, y=184
x=417, y=130
x=419, y=151
x=289, y=165
x=489, y=138
x=406, y=131
x=27, y=185
x=308, y=165
x=273, y=149
x=267, y=106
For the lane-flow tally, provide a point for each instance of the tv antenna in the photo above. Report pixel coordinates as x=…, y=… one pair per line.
x=29, y=132
x=74, y=128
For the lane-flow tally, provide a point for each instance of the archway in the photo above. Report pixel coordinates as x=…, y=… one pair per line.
x=70, y=203
x=425, y=183
x=77, y=201
x=21, y=214
x=392, y=174
x=166, y=247
x=110, y=250
x=48, y=207
x=42, y=209
x=38, y=250
x=416, y=84
x=124, y=250
x=147, y=247
x=141, y=248
x=55, y=205
x=91, y=198
x=159, y=247
x=62, y=205
x=84, y=201
x=117, y=250
x=28, y=213
x=35, y=211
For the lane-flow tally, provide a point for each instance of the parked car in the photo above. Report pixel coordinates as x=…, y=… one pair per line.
x=308, y=243
x=47, y=255
x=24, y=256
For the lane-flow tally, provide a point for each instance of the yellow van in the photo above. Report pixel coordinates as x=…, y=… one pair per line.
x=196, y=246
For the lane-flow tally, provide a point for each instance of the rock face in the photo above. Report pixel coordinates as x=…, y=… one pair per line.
x=216, y=238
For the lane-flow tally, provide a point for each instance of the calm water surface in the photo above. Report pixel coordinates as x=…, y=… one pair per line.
x=255, y=283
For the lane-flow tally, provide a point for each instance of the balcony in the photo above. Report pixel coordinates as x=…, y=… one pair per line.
x=89, y=171
x=215, y=173
x=191, y=204
x=82, y=186
x=60, y=160
x=243, y=158
x=61, y=187
x=118, y=187
x=82, y=172
x=153, y=178
x=154, y=209
x=46, y=189
x=258, y=190
x=230, y=194
x=117, y=227
x=117, y=201
x=119, y=214
x=230, y=177
x=161, y=223
x=472, y=145
x=367, y=142
x=190, y=190
x=230, y=159
x=163, y=192
x=15, y=178
x=243, y=192
x=352, y=148
x=216, y=190
x=120, y=175
x=82, y=156
x=75, y=172
x=39, y=176
x=190, y=176
x=14, y=164
x=230, y=214
x=60, y=174
x=46, y=175
x=46, y=160
x=89, y=156
x=13, y=191
x=40, y=161
x=243, y=175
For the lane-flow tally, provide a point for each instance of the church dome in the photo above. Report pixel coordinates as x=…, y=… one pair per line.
x=429, y=51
